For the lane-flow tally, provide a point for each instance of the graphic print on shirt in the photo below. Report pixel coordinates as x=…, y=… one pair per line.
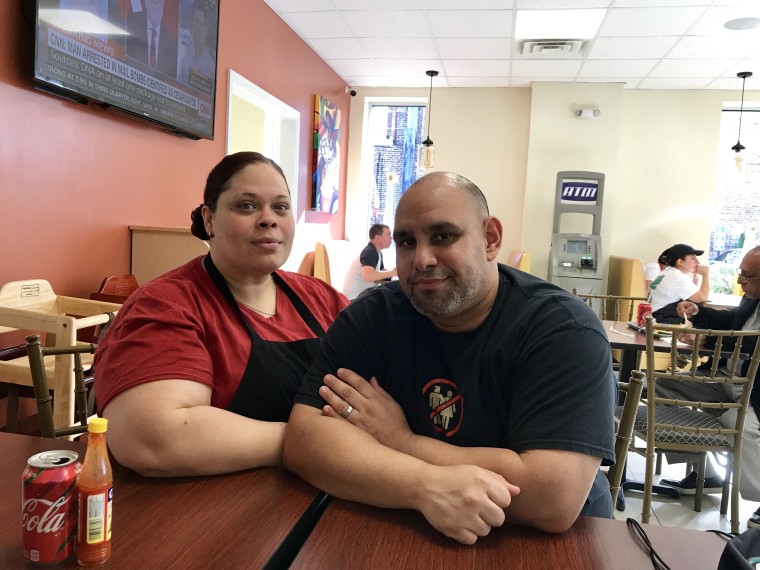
x=446, y=405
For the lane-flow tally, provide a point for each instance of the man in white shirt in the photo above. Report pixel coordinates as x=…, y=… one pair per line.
x=367, y=270
x=150, y=40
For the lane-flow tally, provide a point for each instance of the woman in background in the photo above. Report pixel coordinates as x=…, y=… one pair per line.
x=684, y=279
x=198, y=372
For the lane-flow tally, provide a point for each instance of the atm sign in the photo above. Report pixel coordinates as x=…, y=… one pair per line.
x=575, y=191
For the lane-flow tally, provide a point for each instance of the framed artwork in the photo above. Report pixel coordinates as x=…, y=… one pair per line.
x=325, y=180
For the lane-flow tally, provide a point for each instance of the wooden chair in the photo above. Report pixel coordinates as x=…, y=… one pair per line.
x=687, y=426
x=116, y=286
x=33, y=306
x=321, y=263
x=36, y=354
x=519, y=259
x=626, y=415
x=612, y=307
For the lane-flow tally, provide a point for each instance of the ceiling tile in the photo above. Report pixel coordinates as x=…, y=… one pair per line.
x=617, y=68
x=339, y=48
x=545, y=68
x=300, y=5
x=400, y=48
x=478, y=81
x=711, y=47
x=407, y=67
x=471, y=24
x=630, y=82
x=310, y=25
x=659, y=3
x=375, y=5
x=559, y=4
x=673, y=83
x=649, y=21
x=467, y=4
x=476, y=67
x=714, y=17
x=633, y=48
x=674, y=44
x=356, y=67
x=387, y=23
x=474, y=48
x=690, y=68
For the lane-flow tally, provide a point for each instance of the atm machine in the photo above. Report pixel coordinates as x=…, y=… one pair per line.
x=576, y=258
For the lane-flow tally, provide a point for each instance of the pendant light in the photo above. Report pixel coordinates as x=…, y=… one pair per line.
x=427, y=149
x=739, y=147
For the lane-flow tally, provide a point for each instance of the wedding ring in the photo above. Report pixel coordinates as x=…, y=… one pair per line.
x=348, y=411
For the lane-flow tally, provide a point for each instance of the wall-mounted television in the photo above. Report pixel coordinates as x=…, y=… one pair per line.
x=155, y=59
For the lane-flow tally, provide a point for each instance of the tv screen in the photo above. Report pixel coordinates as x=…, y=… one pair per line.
x=155, y=59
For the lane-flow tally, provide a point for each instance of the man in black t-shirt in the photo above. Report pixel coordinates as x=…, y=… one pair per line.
x=490, y=392
x=368, y=269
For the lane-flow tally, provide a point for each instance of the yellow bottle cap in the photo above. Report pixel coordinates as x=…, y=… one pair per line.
x=97, y=425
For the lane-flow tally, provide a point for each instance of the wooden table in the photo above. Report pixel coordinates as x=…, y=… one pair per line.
x=227, y=521
x=352, y=536
x=631, y=342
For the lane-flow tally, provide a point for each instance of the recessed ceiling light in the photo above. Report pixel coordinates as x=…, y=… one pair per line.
x=742, y=24
x=558, y=24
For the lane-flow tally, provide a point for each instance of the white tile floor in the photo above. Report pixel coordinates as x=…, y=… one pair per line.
x=678, y=512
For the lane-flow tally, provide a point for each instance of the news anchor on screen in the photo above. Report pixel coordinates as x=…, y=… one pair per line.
x=150, y=40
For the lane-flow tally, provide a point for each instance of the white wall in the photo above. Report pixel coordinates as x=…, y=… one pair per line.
x=657, y=148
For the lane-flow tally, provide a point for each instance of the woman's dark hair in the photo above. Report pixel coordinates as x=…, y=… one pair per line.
x=219, y=180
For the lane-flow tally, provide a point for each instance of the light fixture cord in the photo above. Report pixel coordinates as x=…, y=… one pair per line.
x=741, y=111
x=430, y=107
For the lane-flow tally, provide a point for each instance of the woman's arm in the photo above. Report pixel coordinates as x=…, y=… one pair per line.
x=704, y=289
x=168, y=428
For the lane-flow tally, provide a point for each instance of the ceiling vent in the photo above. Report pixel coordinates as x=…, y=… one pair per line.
x=552, y=48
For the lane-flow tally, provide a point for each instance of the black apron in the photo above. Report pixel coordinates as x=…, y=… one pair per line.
x=275, y=369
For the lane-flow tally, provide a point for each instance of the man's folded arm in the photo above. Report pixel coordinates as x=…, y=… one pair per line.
x=347, y=462
x=462, y=501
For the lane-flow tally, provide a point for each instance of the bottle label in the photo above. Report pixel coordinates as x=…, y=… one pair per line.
x=96, y=518
x=110, y=511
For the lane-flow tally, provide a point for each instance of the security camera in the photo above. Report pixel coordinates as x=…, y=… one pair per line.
x=352, y=92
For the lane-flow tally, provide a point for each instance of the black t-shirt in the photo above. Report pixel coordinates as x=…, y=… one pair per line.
x=537, y=374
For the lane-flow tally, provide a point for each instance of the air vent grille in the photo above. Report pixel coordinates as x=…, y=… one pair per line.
x=552, y=48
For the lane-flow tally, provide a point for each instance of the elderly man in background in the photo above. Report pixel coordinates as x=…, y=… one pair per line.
x=368, y=269
x=469, y=391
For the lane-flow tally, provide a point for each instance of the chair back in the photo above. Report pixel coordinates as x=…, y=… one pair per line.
x=321, y=263
x=519, y=259
x=611, y=307
x=36, y=354
x=691, y=426
x=116, y=288
x=623, y=436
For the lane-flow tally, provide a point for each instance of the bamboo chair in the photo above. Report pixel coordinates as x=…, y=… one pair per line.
x=626, y=416
x=611, y=307
x=36, y=354
x=686, y=426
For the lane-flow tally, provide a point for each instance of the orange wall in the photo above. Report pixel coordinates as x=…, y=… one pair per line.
x=73, y=177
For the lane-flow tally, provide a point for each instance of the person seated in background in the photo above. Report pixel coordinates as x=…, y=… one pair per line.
x=744, y=317
x=467, y=390
x=652, y=270
x=198, y=371
x=683, y=279
x=368, y=269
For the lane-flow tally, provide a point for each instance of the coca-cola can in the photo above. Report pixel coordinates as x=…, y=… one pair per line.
x=49, y=499
x=645, y=309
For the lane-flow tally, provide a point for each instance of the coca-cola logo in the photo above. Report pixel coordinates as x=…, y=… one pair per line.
x=52, y=520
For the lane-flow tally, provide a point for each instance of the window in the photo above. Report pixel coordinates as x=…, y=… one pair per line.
x=736, y=218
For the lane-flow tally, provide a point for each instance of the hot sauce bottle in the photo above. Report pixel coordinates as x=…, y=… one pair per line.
x=95, y=498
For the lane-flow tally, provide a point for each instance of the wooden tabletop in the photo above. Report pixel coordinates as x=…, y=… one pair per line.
x=352, y=536
x=229, y=521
